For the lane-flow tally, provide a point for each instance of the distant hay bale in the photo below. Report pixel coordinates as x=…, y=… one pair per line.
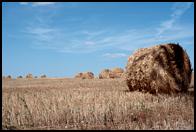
x=43, y=76
x=118, y=72
x=164, y=68
x=19, y=77
x=113, y=73
x=85, y=75
x=9, y=77
x=29, y=76
x=79, y=75
x=88, y=75
x=106, y=73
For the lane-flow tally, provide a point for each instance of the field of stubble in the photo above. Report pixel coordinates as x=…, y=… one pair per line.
x=90, y=104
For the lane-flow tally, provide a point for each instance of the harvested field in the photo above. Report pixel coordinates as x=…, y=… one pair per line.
x=90, y=104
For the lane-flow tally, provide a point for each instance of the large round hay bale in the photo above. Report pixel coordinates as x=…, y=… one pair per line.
x=85, y=75
x=118, y=72
x=164, y=68
x=29, y=76
x=106, y=73
x=192, y=81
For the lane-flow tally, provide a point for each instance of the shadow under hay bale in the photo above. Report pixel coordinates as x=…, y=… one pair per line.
x=164, y=68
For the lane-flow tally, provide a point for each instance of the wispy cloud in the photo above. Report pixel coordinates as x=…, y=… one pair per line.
x=114, y=55
x=37, y=3
x=129, y=40
x=42, y=3
x=88, y=41
x=178, y=9
x=41, y=34
x=23, y=3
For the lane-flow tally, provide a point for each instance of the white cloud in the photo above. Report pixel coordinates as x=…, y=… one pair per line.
x=37, y=3
x=179, y=9
x=75, y=42
x=42, y=3
x=24, y=3
x=40, y=33
x=88, y=41
x=114, y=55
x=90, y=33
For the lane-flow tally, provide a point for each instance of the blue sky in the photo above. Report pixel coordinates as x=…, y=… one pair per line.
x=62, y=39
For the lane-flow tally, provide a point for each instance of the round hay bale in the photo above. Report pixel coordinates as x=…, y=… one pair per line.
x=79, y=75
x=88, y=75
x=9, y=77
x=85, y=75
x=192, y=81
x=106, y=73
x=43, y=76
x=118, y=72
x=164, y=68
x=19, y=77
x=29, y=76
